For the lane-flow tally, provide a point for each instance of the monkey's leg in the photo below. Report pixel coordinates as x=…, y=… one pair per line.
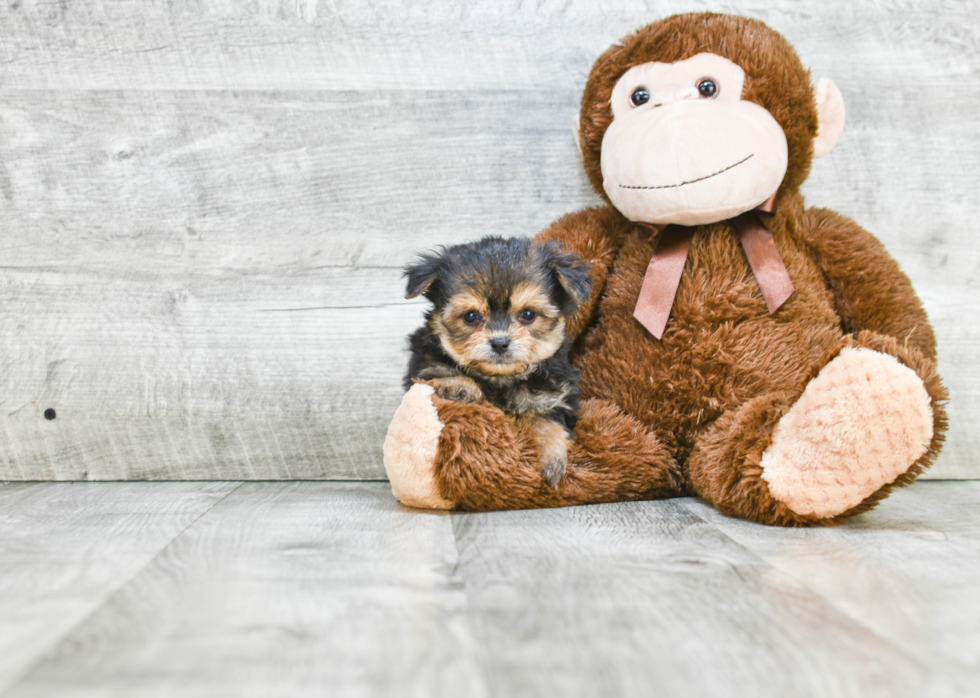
x=444, y=455
x=871, y=419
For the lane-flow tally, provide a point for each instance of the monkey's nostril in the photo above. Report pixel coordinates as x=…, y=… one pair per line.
x=499, y=344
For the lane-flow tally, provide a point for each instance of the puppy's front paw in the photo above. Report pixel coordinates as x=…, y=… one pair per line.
x=458, y=388
x=552, y=441
x=554, y=470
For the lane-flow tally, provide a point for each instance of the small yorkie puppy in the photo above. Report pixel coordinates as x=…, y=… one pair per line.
x=497, y=334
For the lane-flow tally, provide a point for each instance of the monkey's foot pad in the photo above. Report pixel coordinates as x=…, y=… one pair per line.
x=859, y=425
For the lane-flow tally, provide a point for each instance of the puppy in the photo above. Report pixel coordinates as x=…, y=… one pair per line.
x=496, y=333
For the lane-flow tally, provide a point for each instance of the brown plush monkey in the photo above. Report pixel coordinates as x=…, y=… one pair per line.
x=738, y=346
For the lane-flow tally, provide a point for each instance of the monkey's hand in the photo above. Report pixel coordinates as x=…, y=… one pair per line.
x=552, y=439
x=458, y=388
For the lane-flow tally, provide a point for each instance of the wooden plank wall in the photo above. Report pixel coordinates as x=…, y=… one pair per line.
x=206, y=204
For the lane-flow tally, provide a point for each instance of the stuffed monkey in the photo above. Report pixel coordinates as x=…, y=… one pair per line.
x=737, y=346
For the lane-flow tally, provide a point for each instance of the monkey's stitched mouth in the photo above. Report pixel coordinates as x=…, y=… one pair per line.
x=692, y=181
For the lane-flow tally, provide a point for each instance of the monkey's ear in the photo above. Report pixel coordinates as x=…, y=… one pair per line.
x=830, y=116
x=571, y=272
x=422, y=275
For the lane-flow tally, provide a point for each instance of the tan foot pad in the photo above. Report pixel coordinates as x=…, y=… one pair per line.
x=862, y=422
x=410, y=450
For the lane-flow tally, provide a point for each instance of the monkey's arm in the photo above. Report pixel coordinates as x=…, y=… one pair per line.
x=870, y=290
x=443, y=454
x=595, y=235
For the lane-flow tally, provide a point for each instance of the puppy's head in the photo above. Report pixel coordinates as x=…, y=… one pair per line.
x=500, y=304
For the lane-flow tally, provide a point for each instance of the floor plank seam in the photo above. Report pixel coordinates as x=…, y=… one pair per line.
x=478, y=642
x=108, y=596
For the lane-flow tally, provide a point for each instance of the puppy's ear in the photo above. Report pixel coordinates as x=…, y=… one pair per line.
x=422, y=274
x=570, y=271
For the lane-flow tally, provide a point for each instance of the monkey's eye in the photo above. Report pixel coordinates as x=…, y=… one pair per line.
x=640, y=95
x=707, y=88
x=527, y=316
x=471, y=318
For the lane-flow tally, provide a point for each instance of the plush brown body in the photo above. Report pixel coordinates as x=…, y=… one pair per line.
x=693, y=413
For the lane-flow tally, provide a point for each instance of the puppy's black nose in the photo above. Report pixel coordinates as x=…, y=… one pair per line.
x=499, y=344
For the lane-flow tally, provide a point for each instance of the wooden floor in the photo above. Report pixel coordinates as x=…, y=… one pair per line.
x=333, y=589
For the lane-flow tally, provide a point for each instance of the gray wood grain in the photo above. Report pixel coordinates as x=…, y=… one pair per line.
x=66, y=548
x=283, y=589
x=433, y=44
x=909, y=571
x=652, y=599
x=176, y=375
x=152, y=589
x=167, y=169
x=278, y=182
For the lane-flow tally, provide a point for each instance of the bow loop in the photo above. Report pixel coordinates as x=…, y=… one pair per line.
x=663, y=275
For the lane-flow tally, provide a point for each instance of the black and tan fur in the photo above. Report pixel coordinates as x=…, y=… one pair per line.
x=496, y=334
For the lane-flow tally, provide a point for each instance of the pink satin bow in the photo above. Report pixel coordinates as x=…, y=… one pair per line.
x=663, y=274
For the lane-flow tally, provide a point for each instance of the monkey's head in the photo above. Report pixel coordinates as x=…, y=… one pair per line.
x=700, y=117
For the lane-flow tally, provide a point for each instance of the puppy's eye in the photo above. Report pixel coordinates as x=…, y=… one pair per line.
x=471, y=318
x=639, y=96
x=707, y=88
x=527, y=316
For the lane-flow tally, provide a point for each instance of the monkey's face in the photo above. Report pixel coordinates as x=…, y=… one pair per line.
x=499, y=329
x=683, y=147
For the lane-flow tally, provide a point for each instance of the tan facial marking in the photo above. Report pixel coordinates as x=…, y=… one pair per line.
x=455, y=334
x=460, y=345
x=531, y=343
x=533, y=297
x=547, y=342
x=462, y=303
